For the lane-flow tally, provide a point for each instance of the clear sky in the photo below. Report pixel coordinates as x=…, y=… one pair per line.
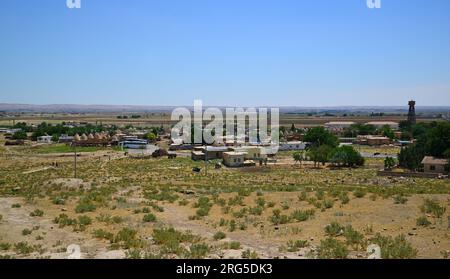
x=225, y=52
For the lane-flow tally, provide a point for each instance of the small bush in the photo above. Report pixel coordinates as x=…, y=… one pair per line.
x=37, y=213
x=102, y=234
x=257, y=210
x=149, y=218
x=26, y=231
x=198, y=251
x=343, y=197
x=359, y=193
x=248, y=254
x=277, y=218
x=302, y=215
x=433, y=207
x=294, y=246
x=234, y=245
x=85, y=206
x=394, y=248
x=260, y=201
x=16, y=205
x=334, y=229
x=423, y=222
x=353, y=237
x=219, y=235
x=331, y=248
x=400, y=199
x=5, y=246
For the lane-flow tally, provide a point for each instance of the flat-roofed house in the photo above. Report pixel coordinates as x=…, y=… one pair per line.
x=373, y=140
x=212, y=152
x=434, y=165
x=233, y=159
x=252, y=152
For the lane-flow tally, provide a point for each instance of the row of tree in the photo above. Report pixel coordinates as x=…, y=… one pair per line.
x=325, y=148
x=432, y=139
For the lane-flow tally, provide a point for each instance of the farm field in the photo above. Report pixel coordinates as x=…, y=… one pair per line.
x=120, y=207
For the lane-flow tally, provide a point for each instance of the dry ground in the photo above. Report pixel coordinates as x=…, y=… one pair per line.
x=122, y=191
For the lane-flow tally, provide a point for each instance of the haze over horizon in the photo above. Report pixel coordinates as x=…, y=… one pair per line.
x=308, y=53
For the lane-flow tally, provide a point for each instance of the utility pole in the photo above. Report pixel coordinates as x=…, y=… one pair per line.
x=75, y=161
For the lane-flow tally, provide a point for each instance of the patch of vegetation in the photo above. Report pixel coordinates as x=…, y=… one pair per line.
x=353, y=237
x=149, y=218
x=219, y=235
x=422, y=221
x=433, y=207
x=16, y=205
x=4, y=246
x=277, y=218
x=302, y=215
x=198, y=251
x=170, y=240
x=248, y=254
x=294, y=246
x=234, y=245
x=394, y=248
x=37, y=213
x=331, y=248
x=359, y=193
x=26, y=232
x=334, y=229
x=400, y=199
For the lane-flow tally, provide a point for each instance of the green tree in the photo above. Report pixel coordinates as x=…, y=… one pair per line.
x=151, y=137
x=387, y=132
x=320, y=154
x=20, y=135
x=346, y=156
x=318, y=136
x=389, y=163
x=298, y=157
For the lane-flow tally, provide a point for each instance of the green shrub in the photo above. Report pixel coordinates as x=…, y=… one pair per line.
x=84, y=220
x=302, y=215
x=234, y=245
x=102, y=234
x=85, y=206
x=260, y=202
x=353, y=237
x=16, y=205
x=394, y=248
x=171, y=239
x=232, y=225
x=423, y=222
x=198, y=251
x=248, y=254
x=302, y=196
x=219, y=235
x=433, y=207
x=37, y=213
x=26, y=231
x=334, y=229
x=359, y=193
x=257, y=210
x=331, y=248
x=343, y=197
x=294, y=246
x=64, y=220
x=4, y=246
x=277, y=218
x=149, y=218
x=400, y=199
x=327, y=204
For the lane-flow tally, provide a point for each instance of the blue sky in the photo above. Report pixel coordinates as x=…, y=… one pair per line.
x=225, y=52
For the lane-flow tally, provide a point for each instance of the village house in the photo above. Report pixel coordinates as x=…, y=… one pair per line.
x=65, y=139
x=373, y=140
x=251, y=152
x=233, y=159
x=212, y=152
x=434, y=165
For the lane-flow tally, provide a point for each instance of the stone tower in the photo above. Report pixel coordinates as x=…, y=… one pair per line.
x=412, y=112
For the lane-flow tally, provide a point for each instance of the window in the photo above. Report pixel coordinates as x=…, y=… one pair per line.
x=432, y=168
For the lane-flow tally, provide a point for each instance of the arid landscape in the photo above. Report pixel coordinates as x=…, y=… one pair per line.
x=126, y=207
